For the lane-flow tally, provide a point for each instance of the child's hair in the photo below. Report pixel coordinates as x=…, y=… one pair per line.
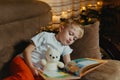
x=74, y=23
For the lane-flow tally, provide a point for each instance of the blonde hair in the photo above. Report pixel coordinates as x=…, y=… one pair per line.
x=74, y=23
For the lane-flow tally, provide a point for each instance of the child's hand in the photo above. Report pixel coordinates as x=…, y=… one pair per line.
x=34, y=71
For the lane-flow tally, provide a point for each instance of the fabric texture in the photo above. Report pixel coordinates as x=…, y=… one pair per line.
x=21, y=11
x=109, y=71
x=20, y=71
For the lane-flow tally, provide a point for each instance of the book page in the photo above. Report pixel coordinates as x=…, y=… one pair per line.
x=55, y=73
x=81, y=66
x=86, y=63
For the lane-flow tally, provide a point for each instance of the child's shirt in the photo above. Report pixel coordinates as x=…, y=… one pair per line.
x=42, y=41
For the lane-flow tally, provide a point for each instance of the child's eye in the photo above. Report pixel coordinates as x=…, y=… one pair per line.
x=70, y=33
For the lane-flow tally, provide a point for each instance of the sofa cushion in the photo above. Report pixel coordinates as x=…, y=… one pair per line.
x=109, y=71
x=17, y=11
x=88, y=45
x=6, y=56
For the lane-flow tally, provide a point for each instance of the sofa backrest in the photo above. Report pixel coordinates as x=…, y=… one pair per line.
x=18, y=23
x=11, y=12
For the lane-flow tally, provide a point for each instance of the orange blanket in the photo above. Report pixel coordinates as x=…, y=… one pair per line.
x=20, y=71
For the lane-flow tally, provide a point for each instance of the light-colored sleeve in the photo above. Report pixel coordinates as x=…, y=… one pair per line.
x=39, y=38
x=67, y=50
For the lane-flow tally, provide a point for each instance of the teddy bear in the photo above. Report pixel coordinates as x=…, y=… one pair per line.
x=52, y=63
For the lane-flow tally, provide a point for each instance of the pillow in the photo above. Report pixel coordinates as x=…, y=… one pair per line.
x=88, y=45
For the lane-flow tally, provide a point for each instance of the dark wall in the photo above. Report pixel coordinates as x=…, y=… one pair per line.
x=110, y=22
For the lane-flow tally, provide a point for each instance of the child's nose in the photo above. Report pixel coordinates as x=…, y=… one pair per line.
x=71, y=38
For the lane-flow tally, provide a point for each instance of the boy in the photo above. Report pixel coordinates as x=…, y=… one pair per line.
x=26, y=65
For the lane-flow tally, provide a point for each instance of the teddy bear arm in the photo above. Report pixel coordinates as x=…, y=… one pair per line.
x=61, y=64
x=43, y=62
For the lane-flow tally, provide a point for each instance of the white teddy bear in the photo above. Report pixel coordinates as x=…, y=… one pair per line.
x=51, y=63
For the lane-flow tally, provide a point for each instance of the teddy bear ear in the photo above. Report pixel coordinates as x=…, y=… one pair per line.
x=51, y=49
x=48, y=49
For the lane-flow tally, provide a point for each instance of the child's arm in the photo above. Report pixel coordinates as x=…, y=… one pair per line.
x=27, y=57
x=66, y=58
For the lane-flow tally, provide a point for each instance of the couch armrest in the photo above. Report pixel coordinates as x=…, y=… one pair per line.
x=108, y=71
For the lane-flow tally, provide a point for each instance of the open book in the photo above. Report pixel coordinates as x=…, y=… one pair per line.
x=74, y=69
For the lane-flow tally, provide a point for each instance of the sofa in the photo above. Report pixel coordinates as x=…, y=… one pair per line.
x=20, y=20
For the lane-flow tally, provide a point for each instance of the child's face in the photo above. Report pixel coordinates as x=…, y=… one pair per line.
x=68, y=35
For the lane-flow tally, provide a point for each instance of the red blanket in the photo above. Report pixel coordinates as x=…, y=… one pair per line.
x=20, y=71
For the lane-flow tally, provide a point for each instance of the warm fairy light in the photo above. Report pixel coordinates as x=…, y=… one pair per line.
x=99, y=3
x=89, y=5
x=64, y=15
x=83, y=8
x=89, y=19
x=55, y=19
x=69, y=13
